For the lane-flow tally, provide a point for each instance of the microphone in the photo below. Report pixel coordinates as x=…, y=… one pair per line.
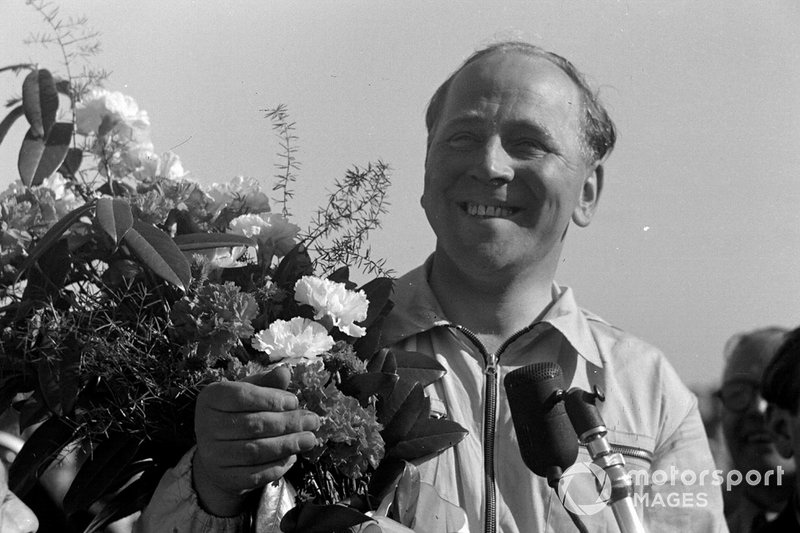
x=547, y=441
x=588, y=423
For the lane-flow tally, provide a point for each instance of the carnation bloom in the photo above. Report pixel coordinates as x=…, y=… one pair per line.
x=100, y=105
x=293, y=341
x=331, y=299
x=239, y=194
x=273, y=233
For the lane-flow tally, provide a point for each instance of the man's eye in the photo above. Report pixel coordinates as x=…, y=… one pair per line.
x=462, y=141
x=528, y=146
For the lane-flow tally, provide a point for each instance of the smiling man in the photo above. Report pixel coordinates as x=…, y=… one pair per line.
x=516, y=144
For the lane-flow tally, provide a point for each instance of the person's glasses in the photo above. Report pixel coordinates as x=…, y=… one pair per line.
x=738, y=396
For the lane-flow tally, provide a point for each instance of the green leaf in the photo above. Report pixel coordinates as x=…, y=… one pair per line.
x=36, y=455
x=54, y=234
x=401, y=411
x=416, y=366
x=428, y=437
x=383, y=361
x=188, y=242
x=292, y=267
x=131, y=499
x=46, y=281
x=114, y=217
x=108, y=461
x=310, y=518
x=378, y=292
x=406, y=496
x=342, y=275
x=71, y=164
x=156, y=250
x=39, y=158
x=40, y=100
x=12, y=117
x=362, y=386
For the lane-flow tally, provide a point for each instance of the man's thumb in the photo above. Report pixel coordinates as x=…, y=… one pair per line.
x=277, y=378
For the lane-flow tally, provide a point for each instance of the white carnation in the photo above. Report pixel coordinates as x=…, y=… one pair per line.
x=293, y=341
x=331, y=299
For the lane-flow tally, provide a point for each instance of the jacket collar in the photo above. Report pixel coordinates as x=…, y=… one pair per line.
x=417, y=310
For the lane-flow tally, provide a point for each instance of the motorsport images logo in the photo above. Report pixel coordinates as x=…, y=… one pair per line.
x=584, y=489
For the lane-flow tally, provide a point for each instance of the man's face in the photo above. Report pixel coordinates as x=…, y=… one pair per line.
x=505, y=169
x=749, y=441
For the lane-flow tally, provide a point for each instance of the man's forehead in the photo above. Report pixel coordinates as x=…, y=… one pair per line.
x=512, y=76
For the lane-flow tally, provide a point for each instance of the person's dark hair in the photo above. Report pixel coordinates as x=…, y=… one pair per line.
x=598, y=129
x=780, y=383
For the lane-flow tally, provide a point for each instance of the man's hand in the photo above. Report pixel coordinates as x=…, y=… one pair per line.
x=248, y=433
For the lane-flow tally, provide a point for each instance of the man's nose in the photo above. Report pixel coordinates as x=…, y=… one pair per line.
x=496, y=164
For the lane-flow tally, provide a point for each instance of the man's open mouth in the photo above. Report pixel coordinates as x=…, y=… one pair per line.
x=482, y=210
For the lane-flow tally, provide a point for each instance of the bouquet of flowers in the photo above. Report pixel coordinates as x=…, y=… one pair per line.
x=126, y=287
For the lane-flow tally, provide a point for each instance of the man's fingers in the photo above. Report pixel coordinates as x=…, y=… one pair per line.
x=278, y=378
x=255, y=452
x=238, y=396
x=231, y=426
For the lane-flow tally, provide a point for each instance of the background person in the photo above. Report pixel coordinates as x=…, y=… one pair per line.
x=781, y=388
x=747, y=437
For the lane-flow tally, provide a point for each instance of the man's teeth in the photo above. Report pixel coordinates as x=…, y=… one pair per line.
x=488, y=210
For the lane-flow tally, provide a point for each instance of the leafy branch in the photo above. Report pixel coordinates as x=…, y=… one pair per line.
x=339, y=231
x=74, y=40
x=288, y=164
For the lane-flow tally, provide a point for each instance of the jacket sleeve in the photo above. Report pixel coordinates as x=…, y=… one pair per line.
x=683, y=492
x=174, y=507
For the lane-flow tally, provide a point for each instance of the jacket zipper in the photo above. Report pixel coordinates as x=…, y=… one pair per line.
x=490, y=420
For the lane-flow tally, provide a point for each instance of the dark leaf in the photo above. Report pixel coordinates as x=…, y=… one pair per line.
x=32, y=412
x=48, y=277
x=131, y=499
x=156, y=250
x=400, y=411
x=12, y=117
x=40, y=100
x=383, y=361
x=10, y=386
x=428, y=437
x=362, y=386
x=64, y=87
x=341, y=275
x=93, y=481
x=36, y=455
x=378, y=292
x=54, y=234
x=292, y=267
x=39, y=158
x=114, y=217
x=385, y=478
x=406, y=496
x=188, y=242
x=310, y=518
x=71, y=164
x=367, y=345
x=416, y=366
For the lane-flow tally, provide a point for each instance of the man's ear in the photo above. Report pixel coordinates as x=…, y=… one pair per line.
x=779, y=424
x=590, y=196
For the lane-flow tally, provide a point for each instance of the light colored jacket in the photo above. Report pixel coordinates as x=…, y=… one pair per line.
x=651, y=416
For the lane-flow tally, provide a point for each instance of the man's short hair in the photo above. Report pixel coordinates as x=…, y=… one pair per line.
x=780, y=384
x=598, y=129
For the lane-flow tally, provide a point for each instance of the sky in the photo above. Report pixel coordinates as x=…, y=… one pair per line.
x=698, y=231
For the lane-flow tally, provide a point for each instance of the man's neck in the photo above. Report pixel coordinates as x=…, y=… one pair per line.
x=494, y=307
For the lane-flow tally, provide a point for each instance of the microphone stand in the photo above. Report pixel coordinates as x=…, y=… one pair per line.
x=592, y=432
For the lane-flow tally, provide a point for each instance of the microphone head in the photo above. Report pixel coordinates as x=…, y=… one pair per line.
x=547, y=441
